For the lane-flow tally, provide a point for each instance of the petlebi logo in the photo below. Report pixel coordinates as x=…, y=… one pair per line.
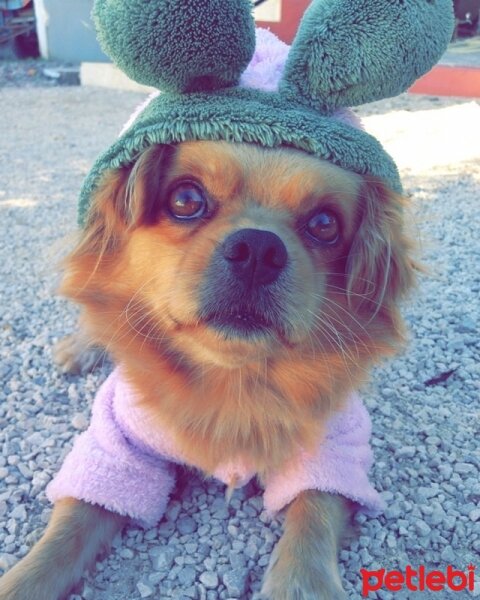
x=418, y=580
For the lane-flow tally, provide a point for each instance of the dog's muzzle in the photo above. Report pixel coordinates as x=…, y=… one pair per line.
x=243, y=285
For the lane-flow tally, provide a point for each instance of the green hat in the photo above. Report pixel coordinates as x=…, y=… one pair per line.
x=218, y=80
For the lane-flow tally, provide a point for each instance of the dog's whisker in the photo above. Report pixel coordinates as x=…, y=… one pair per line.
x=333, y=336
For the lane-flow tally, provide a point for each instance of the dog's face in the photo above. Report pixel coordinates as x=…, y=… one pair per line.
x=235, y=253
x=244, y=251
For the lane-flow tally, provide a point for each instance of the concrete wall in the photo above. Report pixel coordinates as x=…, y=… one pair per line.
x=66, y=32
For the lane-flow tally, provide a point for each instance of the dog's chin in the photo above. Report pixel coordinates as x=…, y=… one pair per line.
x=229, y=342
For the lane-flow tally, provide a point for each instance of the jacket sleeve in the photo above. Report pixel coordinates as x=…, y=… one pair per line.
x=107, y=468
x=339, y=464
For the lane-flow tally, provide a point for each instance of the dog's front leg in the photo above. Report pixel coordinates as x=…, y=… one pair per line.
x=77, y=354
x=76, y=534
x=304, y=564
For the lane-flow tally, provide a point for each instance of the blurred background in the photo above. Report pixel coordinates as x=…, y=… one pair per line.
x=62, y=30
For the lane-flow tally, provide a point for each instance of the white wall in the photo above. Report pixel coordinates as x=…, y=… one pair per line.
x=66, y=31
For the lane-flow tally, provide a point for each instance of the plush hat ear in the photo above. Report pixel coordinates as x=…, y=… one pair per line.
x=349, y=52
x=178, y=45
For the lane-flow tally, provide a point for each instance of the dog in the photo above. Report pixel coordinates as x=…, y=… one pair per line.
x=245, y=292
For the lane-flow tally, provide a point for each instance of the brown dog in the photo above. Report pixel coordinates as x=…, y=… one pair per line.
x=254, y=288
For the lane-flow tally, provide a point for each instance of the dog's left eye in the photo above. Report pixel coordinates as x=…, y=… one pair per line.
x=187, y=201
x=324, y=227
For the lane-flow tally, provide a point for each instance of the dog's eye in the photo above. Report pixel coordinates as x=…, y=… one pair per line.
x=324, y=227
x=187, y=201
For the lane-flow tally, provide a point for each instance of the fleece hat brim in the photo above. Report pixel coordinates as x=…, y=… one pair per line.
x=244, y=115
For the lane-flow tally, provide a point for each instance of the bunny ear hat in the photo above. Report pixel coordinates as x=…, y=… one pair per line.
x=220, y=80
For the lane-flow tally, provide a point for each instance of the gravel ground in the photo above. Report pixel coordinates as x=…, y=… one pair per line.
x=425, y=436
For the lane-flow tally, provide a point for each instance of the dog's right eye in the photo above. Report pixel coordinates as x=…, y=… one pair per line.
x=187, y=201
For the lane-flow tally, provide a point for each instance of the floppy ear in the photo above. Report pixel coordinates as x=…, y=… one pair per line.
x=124, y=199
x=380, y=266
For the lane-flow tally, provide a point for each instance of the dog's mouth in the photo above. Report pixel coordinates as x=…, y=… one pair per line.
x=244, y=323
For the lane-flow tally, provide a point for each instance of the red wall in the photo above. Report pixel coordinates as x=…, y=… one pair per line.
x=292, y=11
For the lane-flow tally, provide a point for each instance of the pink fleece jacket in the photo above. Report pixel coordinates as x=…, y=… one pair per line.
x=125, y=463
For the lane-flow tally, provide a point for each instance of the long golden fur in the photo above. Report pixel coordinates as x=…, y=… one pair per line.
x=144, y=280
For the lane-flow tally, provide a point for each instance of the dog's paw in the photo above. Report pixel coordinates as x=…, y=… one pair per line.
x=74, y=355
x=302, y=578
x=13, y=587
x=28, y=580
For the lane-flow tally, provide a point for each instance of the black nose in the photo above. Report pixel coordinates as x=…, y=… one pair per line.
x=255, y=257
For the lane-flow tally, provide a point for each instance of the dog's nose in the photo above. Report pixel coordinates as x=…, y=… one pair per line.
x=255, y=257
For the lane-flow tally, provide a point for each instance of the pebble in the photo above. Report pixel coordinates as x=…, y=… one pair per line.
x=474, y=515
x=209, y=580
x=145, y=589
x=406, y=451
x=162, y=558
x=7, y=561
x=80, y=421
x=186, y=576
x=422, y=528
x=186, y=525
x=19, y=513
x=448, y=555
x=236, y=582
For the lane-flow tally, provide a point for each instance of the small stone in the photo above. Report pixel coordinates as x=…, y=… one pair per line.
x=162, y=558
x=427, y=492
x=236, y=582
x=387, y=496
x=145, y=589
x=79, y=421
x=422, y=528
x=463, y=468
x=232, y=530
x=7, y=561
x=391, y=541
x=150, y=535
x=448, y=555
x=474, y=515
x=186, y=525
x=186, y=576
x=251, y=550
x=25, y=471
x=237, y=560
x=210, y=563
x=127, y=553
x=19, y=513
x=173, y=510
x=467, y=325
x=393, y=511
x=209, y=580
x=446, y=471
x=406, y=451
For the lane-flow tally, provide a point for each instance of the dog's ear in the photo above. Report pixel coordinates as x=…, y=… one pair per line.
x=124, y=199
x=380, y=266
